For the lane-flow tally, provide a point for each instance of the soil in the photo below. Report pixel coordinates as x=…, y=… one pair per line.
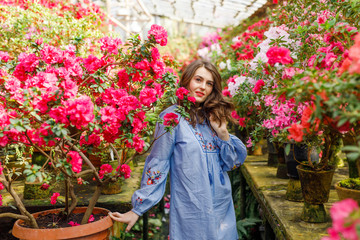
x=54, y=220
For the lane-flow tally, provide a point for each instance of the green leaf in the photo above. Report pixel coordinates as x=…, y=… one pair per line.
x=287, y=149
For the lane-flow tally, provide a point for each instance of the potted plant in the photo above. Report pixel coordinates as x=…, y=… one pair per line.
x=51, y=97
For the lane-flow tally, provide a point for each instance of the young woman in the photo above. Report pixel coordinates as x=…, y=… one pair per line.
x=197, y=153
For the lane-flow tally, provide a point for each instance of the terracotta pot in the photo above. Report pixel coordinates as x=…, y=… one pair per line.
x=344, y=193
x=91, y=231
x=315, y=185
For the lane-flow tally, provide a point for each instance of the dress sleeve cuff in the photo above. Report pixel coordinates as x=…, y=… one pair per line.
x=136, y=212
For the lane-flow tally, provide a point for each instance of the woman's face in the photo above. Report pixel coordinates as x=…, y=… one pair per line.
x=201, y=85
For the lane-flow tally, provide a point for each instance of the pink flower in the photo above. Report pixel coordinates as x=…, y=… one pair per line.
x=73, y=224
x=124, y=170
x=123, y=78
x=235, y=115
x=192, y=99
x=105, y=169
x=91, y=218
x=75, y=160
x=80, y=181
x=171, y=119
x=159, y=34
x=44, y=186
x=4, y=56
x=258, y=85
x=180, y=92
x=242, y=122
x=226, y=92
x=147, y=96
x=288, y=73
x=80, y=111
x=249, y=143
x=167, y=205
x=54, y=198
x=111, y=45
x=296, y=132
x=344, y=224
x=137, y=144
x=278, y=55
x=39, y=41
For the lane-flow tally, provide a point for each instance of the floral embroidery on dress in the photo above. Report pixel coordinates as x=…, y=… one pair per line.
x=207, y=146
x=153, y=177
x=139, y=200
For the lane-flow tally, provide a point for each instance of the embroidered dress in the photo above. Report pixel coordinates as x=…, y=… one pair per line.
x=201, y=205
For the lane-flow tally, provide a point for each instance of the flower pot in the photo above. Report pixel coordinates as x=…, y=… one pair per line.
x=315, y=186
x=257, y=150
x=111, y=187
x=91, y=231
x=298, y=153
x=281, y=167
x=272, y=153
x=344, y=193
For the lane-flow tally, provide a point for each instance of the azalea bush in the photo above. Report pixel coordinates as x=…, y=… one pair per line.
x=63, y=105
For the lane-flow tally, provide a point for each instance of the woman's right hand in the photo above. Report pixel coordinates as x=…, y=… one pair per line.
x=129, y=218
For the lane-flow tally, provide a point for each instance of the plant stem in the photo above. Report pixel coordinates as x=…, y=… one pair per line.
x=91, y=205
x=29, y=218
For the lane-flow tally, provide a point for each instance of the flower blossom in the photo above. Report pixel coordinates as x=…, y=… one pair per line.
x=111, y=45
x=124, y=170
x=171, y=119
x=75, y=160
x=105, y=169
x=180, y=92
x=279, y=55
x=54, y=197
x=258, y=85
x=44, y=186
x=73, y=224
x=344, y=225
x=159, y=33
x=4, y=56
x=296, y=132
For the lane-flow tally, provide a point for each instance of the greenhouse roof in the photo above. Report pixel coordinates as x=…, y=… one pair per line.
x=213, y=13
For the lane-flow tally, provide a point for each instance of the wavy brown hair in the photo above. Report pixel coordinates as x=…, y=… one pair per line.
x=215, y=104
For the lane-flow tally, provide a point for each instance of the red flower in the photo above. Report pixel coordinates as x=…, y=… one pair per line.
x=54, y=198
x=180, y=92
x=296, y=132
x=258, y=85
x=279, y=55
x=124, y=170
x=170, y=119
x=44, y=186
x=242, y=122
x=159, y=34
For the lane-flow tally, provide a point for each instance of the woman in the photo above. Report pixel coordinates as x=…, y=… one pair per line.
x=197, y=153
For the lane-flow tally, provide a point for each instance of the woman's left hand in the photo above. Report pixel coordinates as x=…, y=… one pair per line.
x=221, y=130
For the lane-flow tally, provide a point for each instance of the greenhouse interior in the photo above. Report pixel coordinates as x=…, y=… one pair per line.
x=180, y=119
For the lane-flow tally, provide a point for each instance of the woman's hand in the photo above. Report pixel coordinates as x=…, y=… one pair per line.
x=129, y=218
x=221, y=130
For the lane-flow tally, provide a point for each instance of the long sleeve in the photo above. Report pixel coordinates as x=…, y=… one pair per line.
x=232, y=152
x=155, y=172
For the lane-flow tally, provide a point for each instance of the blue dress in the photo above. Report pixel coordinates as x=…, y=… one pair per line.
x=201, y=205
